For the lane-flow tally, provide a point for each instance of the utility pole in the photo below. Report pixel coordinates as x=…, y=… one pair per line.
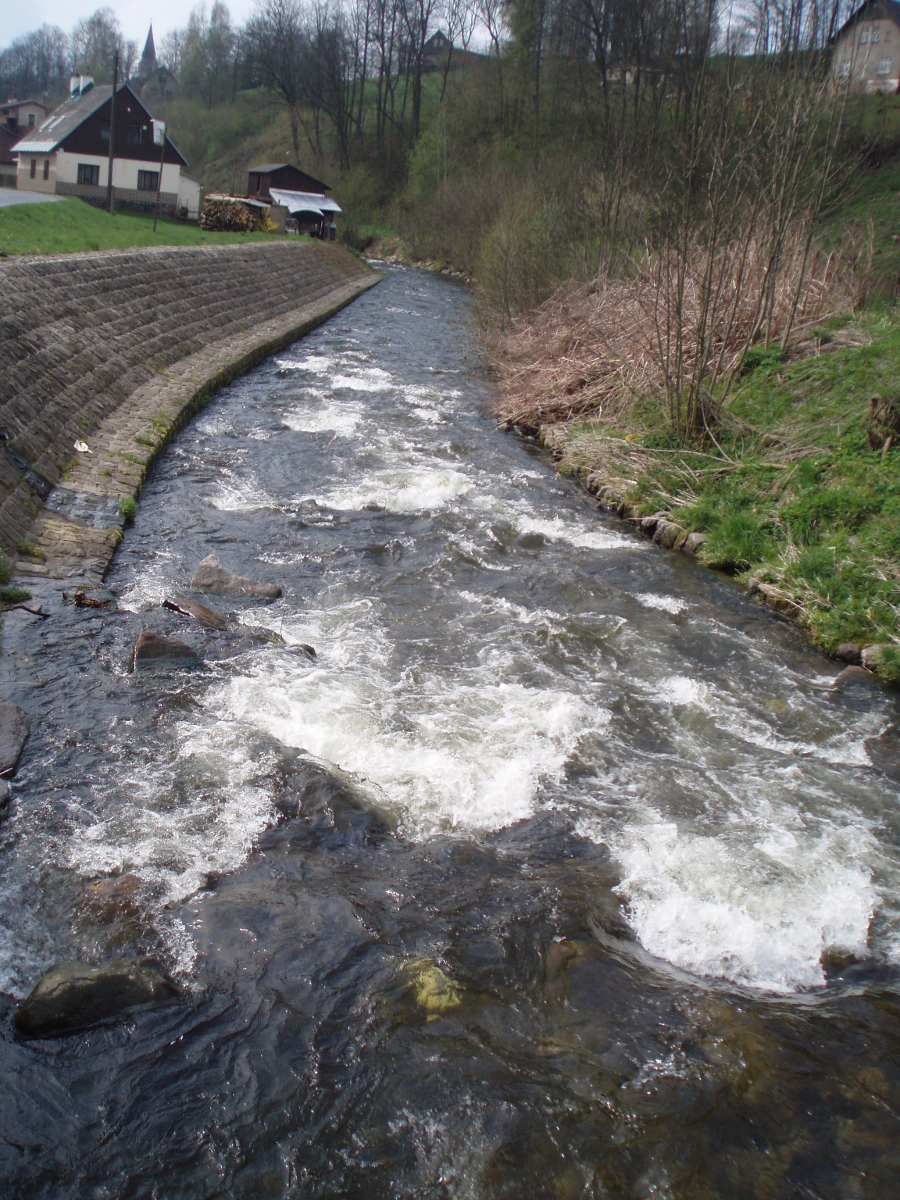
x=159, y=137
x=110, y=197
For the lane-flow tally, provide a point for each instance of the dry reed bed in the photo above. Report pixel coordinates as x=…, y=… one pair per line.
x=603, y=349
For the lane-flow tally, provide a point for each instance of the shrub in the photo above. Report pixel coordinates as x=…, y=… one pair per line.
x=128, y=509
x=524, y=257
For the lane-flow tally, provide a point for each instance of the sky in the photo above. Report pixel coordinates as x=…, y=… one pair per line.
x=134, y=16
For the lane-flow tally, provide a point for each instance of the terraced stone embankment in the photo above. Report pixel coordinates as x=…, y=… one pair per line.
x=116, y=350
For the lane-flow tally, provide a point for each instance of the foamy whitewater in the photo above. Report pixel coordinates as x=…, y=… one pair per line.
x=488, y=647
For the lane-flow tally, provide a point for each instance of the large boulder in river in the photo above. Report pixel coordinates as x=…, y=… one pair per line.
x=13, y=732
x=211, y=576
x=73, y=996
x=152, y=648
x=200, y=613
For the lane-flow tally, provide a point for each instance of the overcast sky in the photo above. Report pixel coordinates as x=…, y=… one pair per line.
x=134, y=16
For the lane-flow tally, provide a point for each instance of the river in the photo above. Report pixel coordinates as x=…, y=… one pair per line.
x=562, y=871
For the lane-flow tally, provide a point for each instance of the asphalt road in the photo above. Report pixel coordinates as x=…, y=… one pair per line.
x=10, y=196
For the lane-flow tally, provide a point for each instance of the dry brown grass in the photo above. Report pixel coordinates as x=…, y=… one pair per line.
x=596, y=349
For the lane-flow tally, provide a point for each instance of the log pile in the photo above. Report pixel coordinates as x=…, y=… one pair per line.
x=229, y=214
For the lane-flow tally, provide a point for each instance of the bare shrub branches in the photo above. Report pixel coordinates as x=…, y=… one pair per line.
x=600, y=349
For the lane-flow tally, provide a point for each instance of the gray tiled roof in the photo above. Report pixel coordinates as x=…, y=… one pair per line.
x=874, y=9
x=63, y=121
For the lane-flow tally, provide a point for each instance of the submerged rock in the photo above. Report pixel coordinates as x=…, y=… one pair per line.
x=73, y=996
x=153, y=648
x=13, y=732
x=853, y=674
x=211, y=576
x=433, y=992
x=200, y=613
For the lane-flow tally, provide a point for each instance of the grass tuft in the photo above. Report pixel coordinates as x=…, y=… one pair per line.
x=13, y=595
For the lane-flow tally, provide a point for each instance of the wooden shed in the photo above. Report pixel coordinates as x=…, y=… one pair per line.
x=281, y=175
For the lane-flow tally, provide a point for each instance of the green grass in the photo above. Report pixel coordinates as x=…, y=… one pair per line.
x=128, y=509
x=13, y=595
x=805, y=501
x=73, y=225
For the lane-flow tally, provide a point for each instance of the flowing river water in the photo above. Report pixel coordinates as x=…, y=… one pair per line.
x=562, y=871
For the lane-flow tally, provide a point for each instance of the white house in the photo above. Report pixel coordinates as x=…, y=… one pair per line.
x=68, y=153
x=867, y=49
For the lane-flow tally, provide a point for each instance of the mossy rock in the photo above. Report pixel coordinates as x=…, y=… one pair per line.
x=434, y=993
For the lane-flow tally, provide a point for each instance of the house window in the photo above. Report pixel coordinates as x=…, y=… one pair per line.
x=845, y=68
x=147, y=181
x=104, y=132
x=88, y=175
x=864, y=38
x=46, y=168
x=33, y=168
x=134, y=133
x=876, y=35
x=884, y=67
x=31, y=118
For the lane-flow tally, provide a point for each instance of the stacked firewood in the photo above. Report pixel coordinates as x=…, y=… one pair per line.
x=230, y=215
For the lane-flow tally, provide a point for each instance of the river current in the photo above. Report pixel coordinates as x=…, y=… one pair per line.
x=562, y=870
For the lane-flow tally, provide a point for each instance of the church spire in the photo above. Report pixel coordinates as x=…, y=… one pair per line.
x=148, y=58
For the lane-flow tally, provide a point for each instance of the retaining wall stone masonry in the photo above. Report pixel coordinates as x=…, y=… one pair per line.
x=117, y=349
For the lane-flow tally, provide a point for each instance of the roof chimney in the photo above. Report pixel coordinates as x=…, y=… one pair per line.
x=79, y=84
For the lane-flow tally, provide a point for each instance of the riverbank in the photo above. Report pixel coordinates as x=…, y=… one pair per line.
x=73, y=226
x=796, y=494
x=113, y=352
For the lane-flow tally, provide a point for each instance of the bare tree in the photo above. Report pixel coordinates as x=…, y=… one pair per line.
x=36, y=64
x=276, y=38
x=95, y=42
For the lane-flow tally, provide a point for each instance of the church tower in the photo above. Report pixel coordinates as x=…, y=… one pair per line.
x=147, y=65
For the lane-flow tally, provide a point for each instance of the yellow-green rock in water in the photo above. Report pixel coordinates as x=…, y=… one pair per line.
x=434, y=993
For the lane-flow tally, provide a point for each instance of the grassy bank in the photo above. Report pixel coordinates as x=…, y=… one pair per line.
x=802, y=490
x=798, y=484
x=72, y=225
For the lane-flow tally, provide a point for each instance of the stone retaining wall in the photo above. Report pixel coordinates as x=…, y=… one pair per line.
x=116, y=349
